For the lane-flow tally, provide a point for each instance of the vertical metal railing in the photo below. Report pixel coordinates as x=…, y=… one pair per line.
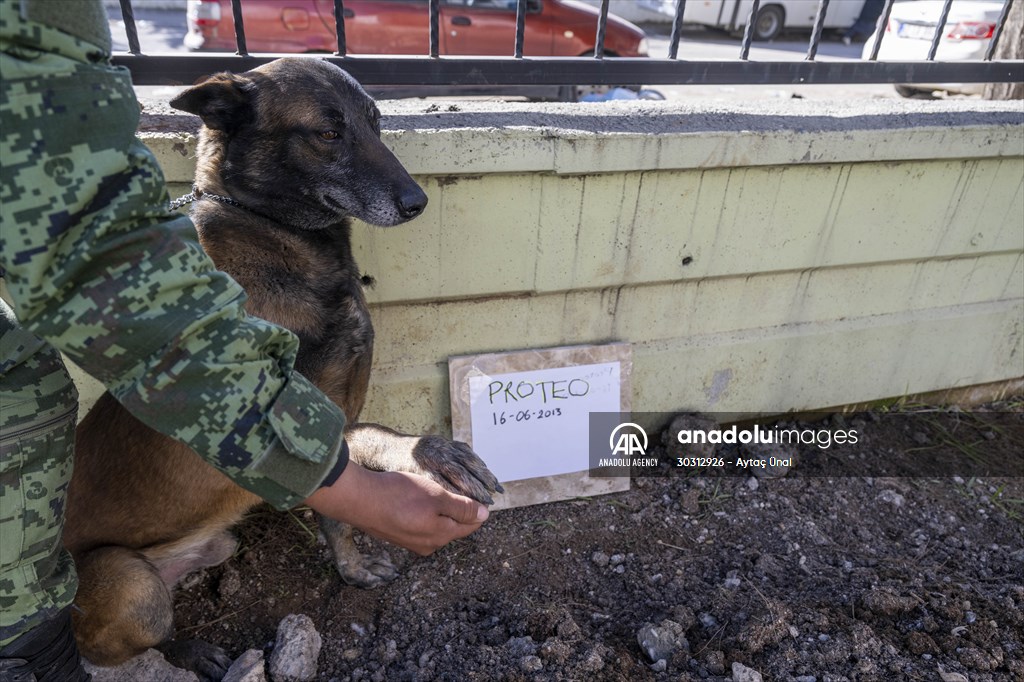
x=677, y=30
x=128, y=15
x=819, y=25
x=236, y=14
x=940, y=28
x=491, y=71
x=880, y=29
x=998, y=31
x=435, y=28
x=520, y=28
x=748, y=34
x=339, y=27
x=602, y=26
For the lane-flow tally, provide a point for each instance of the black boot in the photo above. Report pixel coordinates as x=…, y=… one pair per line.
x=46, y=653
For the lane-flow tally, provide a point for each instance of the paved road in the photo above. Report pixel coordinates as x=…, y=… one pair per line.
x=159, y=30
x=164, y=31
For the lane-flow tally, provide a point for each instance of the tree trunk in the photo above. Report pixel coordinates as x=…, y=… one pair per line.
x=1010, y=46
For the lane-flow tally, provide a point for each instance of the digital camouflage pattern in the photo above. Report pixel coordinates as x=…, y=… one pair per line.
x=99, y=268
x=37, y=421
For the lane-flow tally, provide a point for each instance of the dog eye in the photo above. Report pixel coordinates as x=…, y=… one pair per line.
x=329, y=134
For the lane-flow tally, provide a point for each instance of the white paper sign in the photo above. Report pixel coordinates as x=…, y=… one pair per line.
x=535, y=423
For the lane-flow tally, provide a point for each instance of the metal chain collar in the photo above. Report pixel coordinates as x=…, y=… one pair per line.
x=196, y=194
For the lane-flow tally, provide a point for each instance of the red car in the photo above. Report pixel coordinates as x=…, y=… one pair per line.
x=563, y=28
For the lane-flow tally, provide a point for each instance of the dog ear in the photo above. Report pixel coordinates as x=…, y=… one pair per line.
x=223, y=101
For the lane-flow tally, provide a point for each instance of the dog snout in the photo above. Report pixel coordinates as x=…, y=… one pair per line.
x=411, y=202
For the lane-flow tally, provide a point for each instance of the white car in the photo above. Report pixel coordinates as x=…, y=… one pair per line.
x=908, y=37
x=773, y=16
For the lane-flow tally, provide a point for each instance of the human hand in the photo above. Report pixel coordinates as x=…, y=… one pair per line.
x=402, y=508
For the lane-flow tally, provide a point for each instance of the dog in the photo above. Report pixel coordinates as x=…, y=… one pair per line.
x=291, y=151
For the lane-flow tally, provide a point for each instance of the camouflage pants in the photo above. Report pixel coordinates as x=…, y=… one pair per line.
x=38, y=406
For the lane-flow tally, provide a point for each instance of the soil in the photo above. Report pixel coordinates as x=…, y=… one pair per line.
x=804, y=578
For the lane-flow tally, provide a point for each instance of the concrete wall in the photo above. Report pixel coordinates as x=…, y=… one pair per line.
x=796, y=257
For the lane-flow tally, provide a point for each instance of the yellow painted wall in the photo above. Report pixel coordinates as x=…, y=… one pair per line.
x=758, y=271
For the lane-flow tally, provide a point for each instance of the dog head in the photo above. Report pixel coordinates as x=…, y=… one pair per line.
x=298, y=140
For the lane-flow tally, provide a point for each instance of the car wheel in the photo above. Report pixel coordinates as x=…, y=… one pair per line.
x=569, y=93
x=913, y=93
x=769, y=22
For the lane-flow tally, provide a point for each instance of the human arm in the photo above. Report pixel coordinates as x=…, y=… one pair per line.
x=405, y=509
x=97, y=266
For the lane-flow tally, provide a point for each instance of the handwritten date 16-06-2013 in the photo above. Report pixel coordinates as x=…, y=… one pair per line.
x=502, y=418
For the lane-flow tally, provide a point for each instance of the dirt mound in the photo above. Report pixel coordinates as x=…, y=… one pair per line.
x=795, y=578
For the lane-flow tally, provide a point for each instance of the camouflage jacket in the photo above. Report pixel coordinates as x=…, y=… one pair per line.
x=101, y=269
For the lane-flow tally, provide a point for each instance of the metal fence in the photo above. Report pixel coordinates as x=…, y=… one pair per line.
x=517, y=69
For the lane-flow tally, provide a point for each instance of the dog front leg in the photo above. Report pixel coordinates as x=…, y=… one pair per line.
x=450, y=463
x=354, y=567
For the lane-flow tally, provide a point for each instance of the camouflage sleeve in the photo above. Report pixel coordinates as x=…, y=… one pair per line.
x=97, y=266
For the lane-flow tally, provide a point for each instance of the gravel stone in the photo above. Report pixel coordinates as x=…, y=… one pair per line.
x=531, y=664
x=249, y=667
x=296, y=650
x=662, y=641
x=741, y=673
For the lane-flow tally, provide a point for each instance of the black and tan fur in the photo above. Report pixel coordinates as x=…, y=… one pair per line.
x=297, y=143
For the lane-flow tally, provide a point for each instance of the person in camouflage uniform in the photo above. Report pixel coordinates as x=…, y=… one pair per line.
x=98, y=268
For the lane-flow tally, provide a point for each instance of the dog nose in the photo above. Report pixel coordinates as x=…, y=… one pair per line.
x=411, y=203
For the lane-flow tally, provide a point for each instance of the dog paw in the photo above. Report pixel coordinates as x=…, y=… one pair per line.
x=207, y=661
x=455, y=466
x=367, y=571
